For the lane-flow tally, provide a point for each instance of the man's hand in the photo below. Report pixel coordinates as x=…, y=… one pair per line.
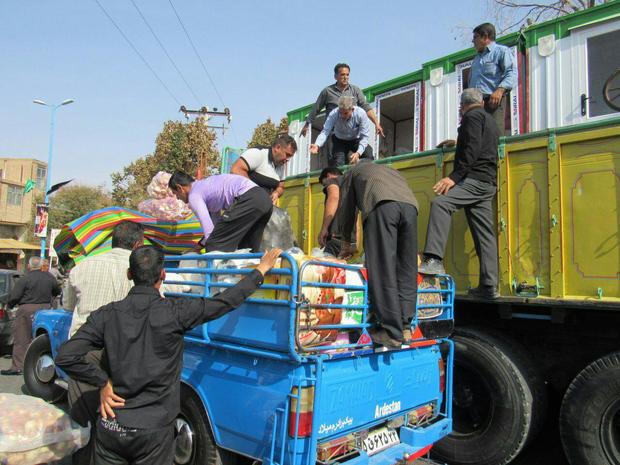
x=355, y=157
x=268, y=260
x=274, y=197
x=323, y=237
x=496, y=98
x=109, y=400
x=346, y=251
x=304, y=130
x=314, y=149
x=443, y=186
x=380, y=130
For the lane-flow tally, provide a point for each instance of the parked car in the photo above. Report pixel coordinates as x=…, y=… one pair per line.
x=7, y=315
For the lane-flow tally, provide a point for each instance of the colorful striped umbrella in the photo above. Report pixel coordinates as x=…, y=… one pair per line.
x=91, y=234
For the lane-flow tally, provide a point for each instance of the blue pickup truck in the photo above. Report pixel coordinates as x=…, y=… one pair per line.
x=253, y=390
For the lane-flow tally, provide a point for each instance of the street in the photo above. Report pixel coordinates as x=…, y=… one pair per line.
x=546, y=450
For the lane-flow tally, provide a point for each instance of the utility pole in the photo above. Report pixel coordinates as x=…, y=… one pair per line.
x=205, y=114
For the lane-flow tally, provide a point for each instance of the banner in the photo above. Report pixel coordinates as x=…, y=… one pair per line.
x=40, y=220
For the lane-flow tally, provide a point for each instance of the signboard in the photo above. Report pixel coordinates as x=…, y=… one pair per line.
x=40, y=220
x=53, y=234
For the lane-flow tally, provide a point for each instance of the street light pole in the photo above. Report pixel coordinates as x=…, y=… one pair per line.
x=48, y=181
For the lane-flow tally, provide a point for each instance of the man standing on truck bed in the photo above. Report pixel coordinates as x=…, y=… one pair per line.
x=143, y=340
x=266, y=166
x=351, y=131
x=94, y=282
x=471, y=185
x=329, y=96
x=33, y=291
x=232, y=210
x=389, y=214
x=493, y=72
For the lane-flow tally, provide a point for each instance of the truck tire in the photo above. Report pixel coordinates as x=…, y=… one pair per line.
x=590, y=414
x=194, y=442
x=40, y=371
x=499, y=400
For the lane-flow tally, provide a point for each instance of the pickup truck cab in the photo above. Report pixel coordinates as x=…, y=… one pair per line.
x=251, y=388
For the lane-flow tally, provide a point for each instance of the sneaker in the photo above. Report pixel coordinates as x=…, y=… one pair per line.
x=484, y=292
x=381, y=337
x=431, y=266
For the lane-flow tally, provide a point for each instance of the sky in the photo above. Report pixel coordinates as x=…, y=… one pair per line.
x=262, y=59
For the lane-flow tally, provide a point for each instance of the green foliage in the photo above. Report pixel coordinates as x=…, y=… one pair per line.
x=71, y=202
x=265, y=133
x=179, y=146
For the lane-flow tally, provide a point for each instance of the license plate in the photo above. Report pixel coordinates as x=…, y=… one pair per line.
x=379, y=440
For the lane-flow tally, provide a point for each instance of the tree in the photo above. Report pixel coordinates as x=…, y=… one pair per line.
x=511, y=15
x=71, y=202
x=179, y=146
x=265, y=133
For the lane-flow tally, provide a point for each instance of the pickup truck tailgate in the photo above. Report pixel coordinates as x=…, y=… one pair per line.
x=357, y=392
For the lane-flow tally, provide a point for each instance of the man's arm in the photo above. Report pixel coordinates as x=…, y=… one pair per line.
x=202, y=213
x=331, y=207
x=192, y=312
x=364, y=105
x=317, y=107
x=278, y=191
x=17, y=292
x=509, y=74
x=71, y=355
x=69, y=298
x=347, y=209
x=328, y=127
x=472, y=131
x=364, y=133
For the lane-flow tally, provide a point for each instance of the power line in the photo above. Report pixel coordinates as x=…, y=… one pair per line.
x=166, y=52
x=204, y=67
x=137, y=52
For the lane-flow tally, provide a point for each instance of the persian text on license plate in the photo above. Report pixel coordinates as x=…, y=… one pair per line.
x=379, y=440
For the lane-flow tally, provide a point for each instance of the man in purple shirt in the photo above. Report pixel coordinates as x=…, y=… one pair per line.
x=232, y=210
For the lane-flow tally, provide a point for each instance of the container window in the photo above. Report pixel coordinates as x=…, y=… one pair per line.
x=399, y=115
x=603, y=60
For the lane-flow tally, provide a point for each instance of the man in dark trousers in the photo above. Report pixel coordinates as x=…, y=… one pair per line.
x=471, y=185
x=34, y=291
x=390, y=215
x=143, y=340
x=233, y=211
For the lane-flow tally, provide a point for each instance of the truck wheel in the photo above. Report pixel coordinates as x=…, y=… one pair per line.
x=590, y=414
x=194, y=443
x=499, y=400
x=40, y=371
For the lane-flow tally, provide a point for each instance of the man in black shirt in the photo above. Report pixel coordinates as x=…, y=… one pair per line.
x=143, y=340
x=34, y=291
x=471, y=185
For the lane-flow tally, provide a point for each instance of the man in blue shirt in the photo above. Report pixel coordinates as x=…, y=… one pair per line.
x=351, y=128
x=493, y=72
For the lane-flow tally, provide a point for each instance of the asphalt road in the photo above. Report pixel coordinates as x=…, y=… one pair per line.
x=546, y=450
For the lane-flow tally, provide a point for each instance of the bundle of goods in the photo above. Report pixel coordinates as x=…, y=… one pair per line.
x=33, y=432
x=278, y=232
x=163, y=204
x=426, y=282
x=91, y=234
x=310, y=316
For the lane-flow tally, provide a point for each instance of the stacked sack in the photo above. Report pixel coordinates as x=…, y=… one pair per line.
x=163, y=205
x=33, y=432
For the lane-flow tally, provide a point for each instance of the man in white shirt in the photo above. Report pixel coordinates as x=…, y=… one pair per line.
x=351, y=128
x=94, y=282
x=266, y=167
